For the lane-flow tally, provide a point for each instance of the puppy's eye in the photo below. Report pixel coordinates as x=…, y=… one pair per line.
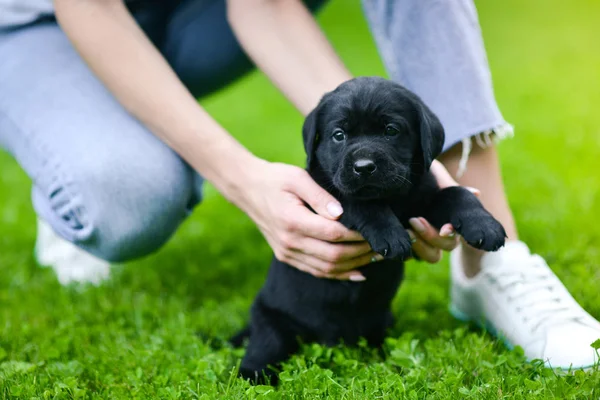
x=391, y=130
x=338, y=135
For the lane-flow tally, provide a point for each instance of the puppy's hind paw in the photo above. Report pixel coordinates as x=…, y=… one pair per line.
x=256, y=377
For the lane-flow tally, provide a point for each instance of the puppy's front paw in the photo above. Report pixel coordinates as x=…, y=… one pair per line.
x=391, y=243
x=480, y=229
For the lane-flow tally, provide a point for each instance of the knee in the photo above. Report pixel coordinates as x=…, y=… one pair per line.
x=122, y=209
x=138, y=210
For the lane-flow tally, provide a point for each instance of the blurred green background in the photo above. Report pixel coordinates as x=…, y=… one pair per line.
x=136, y=335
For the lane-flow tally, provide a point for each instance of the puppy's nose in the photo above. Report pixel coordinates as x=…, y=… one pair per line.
x=364, y=166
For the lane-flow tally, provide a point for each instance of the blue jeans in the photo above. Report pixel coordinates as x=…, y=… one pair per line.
x=107, y=184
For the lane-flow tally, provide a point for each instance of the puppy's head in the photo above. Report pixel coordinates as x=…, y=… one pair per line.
x=372, y=138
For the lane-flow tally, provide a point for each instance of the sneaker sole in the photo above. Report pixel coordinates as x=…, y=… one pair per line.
x=489, y=327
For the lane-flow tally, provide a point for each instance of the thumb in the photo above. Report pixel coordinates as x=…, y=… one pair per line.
x=321, y=201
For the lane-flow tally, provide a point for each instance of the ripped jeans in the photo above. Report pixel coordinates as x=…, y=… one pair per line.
x=105, y=183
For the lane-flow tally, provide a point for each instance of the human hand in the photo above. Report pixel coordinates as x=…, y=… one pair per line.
x=428, y=242
x=313, y=243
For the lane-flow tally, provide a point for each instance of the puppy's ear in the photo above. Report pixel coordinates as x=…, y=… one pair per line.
x=432, y=135
x=310, y=135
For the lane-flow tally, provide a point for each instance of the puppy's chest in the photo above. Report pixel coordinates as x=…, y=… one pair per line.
x=292, y=291
x=404, y=214
x=376, y=293
x=367, y=215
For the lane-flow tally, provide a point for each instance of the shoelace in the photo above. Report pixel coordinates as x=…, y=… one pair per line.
x=535, y=292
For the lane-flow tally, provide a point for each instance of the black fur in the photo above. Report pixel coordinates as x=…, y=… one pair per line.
x=378, y=168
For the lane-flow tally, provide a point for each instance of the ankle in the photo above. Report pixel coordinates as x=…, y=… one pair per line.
x=471, y=260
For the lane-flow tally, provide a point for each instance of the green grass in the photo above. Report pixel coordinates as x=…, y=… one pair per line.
x=135, y=337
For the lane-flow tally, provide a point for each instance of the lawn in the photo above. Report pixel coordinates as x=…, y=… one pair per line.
x=136, y=336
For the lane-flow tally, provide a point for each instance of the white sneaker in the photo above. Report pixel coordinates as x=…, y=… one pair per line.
x=69, y=262
x=517, y=297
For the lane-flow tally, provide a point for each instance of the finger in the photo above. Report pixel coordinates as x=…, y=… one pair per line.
x=355, y=276
x=350, y=276
x=333, y=252
x=444, y=179
x=424, y=251
x=332, y=268
x=312, y=225
x=441, y=174
x=316, y=197
x=428, y=233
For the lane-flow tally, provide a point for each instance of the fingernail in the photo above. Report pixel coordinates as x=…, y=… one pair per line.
x=473, y=190
x=447, y=231
x=418, y=225
x=334, y=209
x=376, y=257
x=357, y=278
x=412, y=236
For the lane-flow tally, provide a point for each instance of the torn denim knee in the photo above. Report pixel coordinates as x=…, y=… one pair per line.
x=68, y=209
x=60, y=205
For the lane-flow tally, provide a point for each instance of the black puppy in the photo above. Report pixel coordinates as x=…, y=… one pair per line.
x=370, y=143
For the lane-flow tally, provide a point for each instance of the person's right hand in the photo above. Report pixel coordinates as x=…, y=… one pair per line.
x=428, y=242
x=276, y=200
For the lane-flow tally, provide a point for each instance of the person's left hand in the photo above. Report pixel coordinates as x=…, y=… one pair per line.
x=428, y=243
